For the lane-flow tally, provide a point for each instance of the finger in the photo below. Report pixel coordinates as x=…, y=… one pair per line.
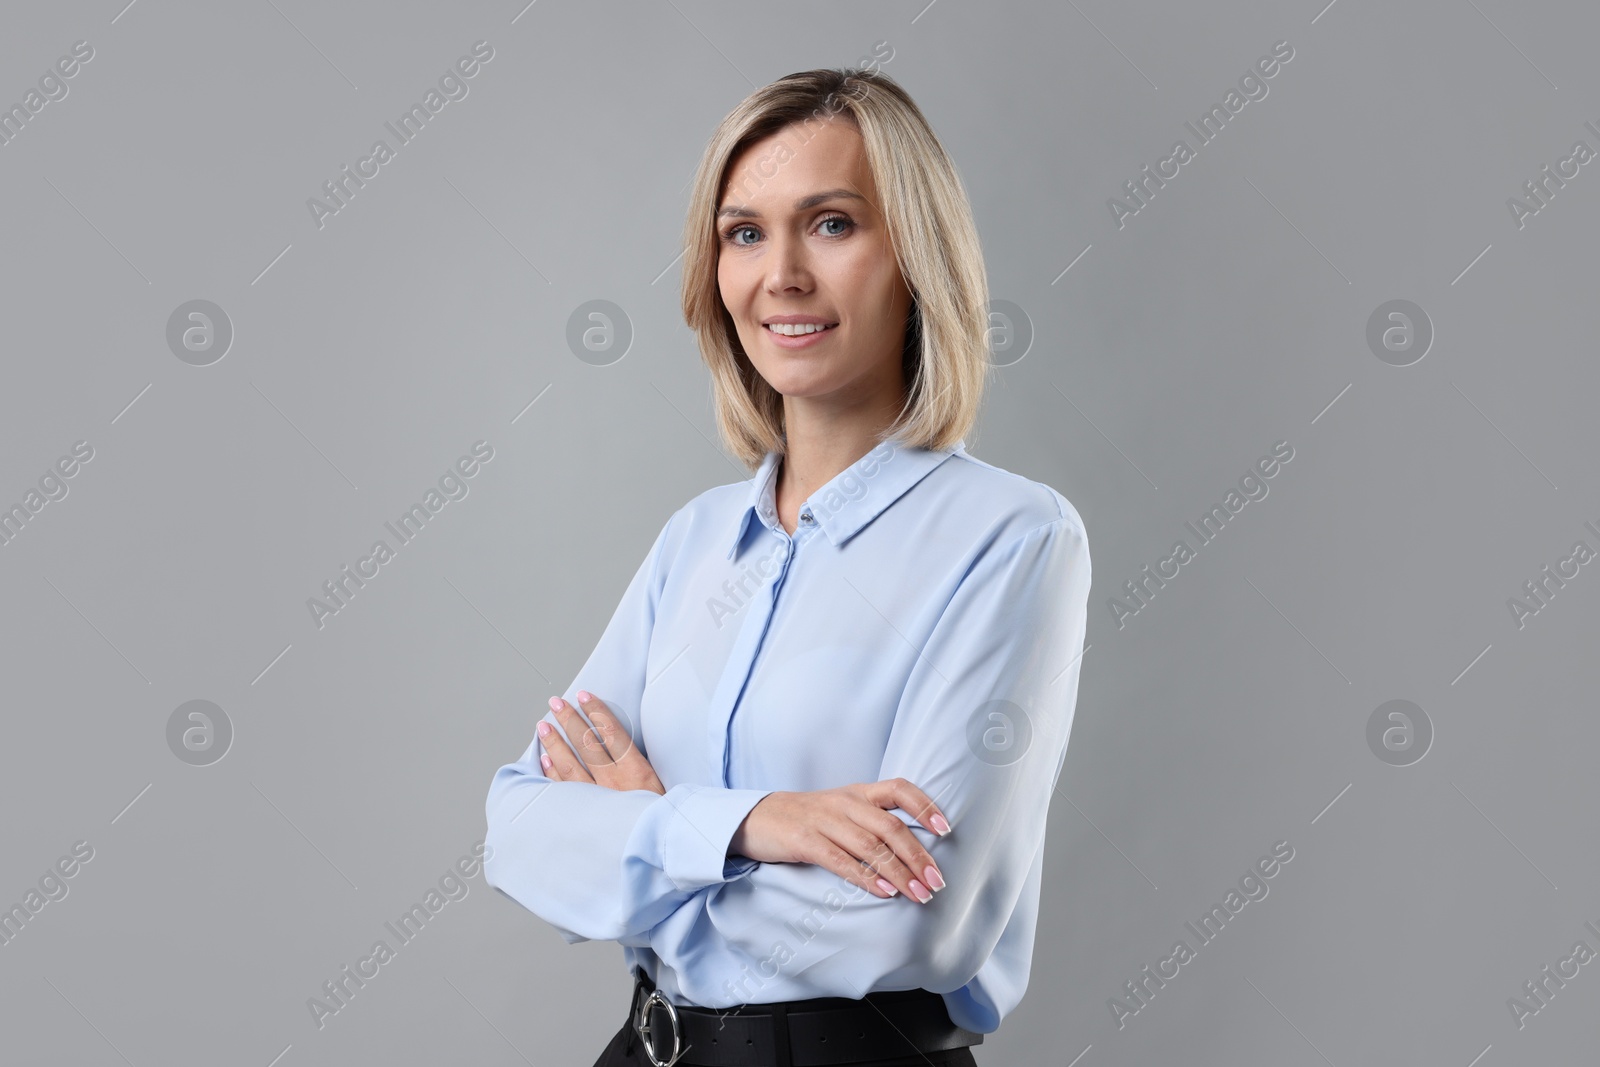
x=617, y=741
x=828, y=853
x=844, y=829
x=910, y=865
x=886, y=887
x=883, y=841
x=586, y=743
x=631, y=768
x=886, y=868
x=908, y=798
x=558, y=759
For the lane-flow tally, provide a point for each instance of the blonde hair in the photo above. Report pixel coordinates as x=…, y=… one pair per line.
x=946, y=355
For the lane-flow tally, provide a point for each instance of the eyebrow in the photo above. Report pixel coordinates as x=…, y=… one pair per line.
x=739, y=211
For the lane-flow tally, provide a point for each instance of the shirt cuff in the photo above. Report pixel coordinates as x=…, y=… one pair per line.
x=737, y=867
x=694, y=849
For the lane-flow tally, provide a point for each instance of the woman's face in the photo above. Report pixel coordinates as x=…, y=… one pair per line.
x=801, y=237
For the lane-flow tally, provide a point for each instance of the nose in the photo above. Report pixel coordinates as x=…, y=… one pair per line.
x=788, y=268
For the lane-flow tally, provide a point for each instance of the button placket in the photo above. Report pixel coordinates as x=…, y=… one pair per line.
x=741, y=661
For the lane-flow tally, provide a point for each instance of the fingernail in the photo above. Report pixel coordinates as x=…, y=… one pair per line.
x=887, y=886
x=544, y=728
x=934, y=880
x=584, y=697
x=545, y=761
x=920, y=891
x=939, y=825
x=555, y=703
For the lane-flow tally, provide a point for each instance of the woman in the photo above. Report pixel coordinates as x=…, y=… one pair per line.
x=804, y=775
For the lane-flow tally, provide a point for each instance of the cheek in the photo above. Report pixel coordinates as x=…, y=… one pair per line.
x=733, y=282
x=869, y=274
x=869, y=294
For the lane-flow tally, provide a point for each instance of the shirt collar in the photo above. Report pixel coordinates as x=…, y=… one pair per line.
x=854, y=497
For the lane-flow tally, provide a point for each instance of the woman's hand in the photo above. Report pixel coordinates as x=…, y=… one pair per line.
x=848, y=831
x=609, y=756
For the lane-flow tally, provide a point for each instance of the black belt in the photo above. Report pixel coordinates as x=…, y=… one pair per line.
x=796, y=1033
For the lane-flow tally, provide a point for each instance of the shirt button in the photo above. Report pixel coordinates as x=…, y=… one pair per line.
x=805, y=516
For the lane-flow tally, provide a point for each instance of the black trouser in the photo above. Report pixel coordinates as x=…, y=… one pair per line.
x=616, y=1055
x=627, y=1050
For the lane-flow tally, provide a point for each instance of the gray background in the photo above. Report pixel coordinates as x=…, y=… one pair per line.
x=1228, y=314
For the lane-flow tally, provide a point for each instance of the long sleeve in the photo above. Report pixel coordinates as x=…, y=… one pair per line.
x=982, y=728
x=596, y=863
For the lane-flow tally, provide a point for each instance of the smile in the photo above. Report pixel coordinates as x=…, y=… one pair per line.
x=797, y=330
x=795, y=336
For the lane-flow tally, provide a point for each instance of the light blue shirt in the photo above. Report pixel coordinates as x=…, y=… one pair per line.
x=925, y=621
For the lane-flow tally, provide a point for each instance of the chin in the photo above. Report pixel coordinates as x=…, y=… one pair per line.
x=797, y=381
x=801, y=384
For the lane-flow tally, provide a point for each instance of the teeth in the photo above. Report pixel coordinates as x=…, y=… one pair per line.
x=798, y=330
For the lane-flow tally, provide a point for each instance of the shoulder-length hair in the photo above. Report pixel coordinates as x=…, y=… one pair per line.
x=929, y=220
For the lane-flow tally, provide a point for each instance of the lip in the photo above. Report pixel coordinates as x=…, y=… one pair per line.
x=802, y=341
x=796, y=320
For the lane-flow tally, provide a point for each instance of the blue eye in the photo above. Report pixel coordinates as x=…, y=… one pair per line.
x=731, y=237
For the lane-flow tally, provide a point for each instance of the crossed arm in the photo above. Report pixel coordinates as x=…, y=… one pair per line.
x=846, y=830
x=980, y=734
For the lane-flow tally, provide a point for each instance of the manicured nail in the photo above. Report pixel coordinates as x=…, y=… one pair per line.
x=544, y=728
x=932, y=874
x=584, y=697
x=545, y=761
x=887, y=886
x=920, y=891
x=939, y=825
x=555, y=703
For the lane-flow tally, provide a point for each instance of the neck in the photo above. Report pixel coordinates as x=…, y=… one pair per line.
x=820, y=445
